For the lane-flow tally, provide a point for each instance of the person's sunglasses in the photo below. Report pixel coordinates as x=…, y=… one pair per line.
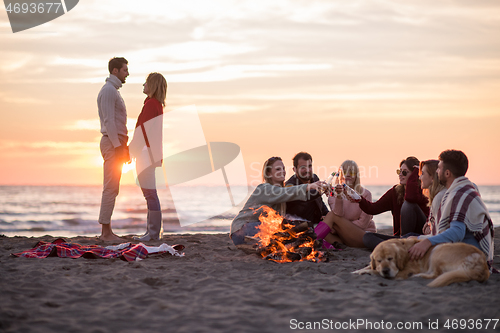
x=404, y=172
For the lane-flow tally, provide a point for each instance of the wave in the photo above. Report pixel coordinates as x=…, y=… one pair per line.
x=40, y=213
x=145, y=210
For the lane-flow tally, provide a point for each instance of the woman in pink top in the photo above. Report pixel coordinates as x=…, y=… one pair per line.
x=347, y=221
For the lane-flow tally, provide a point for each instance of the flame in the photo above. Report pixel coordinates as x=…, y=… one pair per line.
x=270, y=224
x=280, y=242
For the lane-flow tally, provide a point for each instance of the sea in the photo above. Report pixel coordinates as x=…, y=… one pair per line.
x=69, y=211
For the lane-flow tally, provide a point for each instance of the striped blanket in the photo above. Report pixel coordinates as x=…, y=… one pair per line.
x=462, y=203
x=126, y=251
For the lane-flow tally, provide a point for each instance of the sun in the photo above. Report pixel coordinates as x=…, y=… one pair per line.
x=128, y=166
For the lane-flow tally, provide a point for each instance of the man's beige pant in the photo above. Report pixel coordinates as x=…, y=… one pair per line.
x=112, y=176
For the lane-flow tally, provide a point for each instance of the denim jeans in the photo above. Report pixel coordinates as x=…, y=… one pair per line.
x=249, y=229
x=372, y=239
x=412, y=218
x=147, y=181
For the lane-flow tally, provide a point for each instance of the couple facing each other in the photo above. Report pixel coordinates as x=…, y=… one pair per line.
x=433, y=200
x=300, y=195
x=114, y=150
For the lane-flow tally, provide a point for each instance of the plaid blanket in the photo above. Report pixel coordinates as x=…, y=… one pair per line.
x=127, y=251
x=462, y=203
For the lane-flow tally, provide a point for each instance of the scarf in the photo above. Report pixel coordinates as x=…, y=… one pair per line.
x=462, y=203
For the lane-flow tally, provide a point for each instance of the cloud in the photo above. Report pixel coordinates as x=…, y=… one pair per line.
x=221, y=40
x=23, y=100
x=54, y=147
x=228, y=108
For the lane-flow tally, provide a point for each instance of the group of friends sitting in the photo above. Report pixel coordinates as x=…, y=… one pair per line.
x=433, y=201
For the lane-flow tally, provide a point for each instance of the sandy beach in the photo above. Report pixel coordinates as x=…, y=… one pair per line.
x=218, y=288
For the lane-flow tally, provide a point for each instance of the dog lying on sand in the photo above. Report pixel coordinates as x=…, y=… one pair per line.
x=446, y=263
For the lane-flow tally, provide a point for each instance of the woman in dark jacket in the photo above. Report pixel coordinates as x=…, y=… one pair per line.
x=406, y=202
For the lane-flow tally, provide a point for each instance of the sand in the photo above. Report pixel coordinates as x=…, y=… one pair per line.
x=218, y=288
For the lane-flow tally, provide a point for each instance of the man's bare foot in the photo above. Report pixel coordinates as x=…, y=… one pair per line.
x=108, y=235
x=110, y=238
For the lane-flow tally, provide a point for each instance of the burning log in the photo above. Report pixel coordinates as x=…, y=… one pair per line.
x=298, y=229
x=318, y=244
x=284, y=235
x=273, y=246
x=304, y=251
x=287, y=223
x=308, y=234
x=298, y=243
x=284, y=256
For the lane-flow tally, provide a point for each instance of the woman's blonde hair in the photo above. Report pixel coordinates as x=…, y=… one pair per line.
x=436, y=186
x=266, y=169
x=157, y=87
x=349, y=166
x=266, y=177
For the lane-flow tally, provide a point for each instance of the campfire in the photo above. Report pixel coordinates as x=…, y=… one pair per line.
x=285, y=240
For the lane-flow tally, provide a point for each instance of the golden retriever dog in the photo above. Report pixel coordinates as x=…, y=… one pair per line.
x=446, y=263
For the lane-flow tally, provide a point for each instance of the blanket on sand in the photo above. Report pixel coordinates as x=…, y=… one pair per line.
x=462, y=203
x=125, y=251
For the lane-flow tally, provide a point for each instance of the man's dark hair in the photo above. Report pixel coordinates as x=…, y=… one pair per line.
x=455, y=161
x=116, y=63
x=301, y=156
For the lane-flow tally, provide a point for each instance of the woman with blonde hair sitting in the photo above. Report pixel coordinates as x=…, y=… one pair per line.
x=434, y=190
x=347, y=222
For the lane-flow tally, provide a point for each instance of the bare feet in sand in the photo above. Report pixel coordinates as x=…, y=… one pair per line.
x=108, y=235
x=110, y=238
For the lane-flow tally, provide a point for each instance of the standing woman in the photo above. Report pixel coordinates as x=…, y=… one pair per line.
x=270, y=193
x=155, y=88
x=434, y=191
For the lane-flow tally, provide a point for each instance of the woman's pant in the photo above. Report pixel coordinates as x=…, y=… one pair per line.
x=412, y=218
x=372, y=239
x=147, y=181
x=249, y=229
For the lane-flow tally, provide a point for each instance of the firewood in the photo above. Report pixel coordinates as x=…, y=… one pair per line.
x=307, y=237
x=299, y=228
x=247, y=248
x=281, y=235
x=318, y=244
x=280, y=256
x=304, y=251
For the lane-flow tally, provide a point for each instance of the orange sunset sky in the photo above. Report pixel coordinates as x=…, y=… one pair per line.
x=374, y=81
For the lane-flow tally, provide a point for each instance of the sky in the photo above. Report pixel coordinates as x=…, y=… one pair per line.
x=372, y=81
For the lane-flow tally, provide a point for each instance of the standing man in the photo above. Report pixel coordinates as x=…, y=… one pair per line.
x=314, y=208
x=462, y=216
x=114, y=150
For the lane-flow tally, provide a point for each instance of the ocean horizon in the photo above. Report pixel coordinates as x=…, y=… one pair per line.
x=69, y=211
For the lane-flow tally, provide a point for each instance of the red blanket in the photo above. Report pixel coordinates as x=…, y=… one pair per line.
x=59, y=248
